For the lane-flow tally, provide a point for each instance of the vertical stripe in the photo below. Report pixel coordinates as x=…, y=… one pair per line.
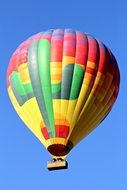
x=81, y=55
x=88, y=81
x=67, y=76
x=35, y=80
x=45, y=79
x=77, y=81
x=69, y=48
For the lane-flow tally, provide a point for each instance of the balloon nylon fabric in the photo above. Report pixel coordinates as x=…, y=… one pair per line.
x=62, y=83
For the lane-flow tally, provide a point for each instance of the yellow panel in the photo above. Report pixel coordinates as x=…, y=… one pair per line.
x=56, y=72
x=56, y=105
x=63, y=111
x=30, y=114
x=98, y=77
x=101, y=105
x=24, y=73
x=80, y=102
x=70, y=111
x=56, y=109
x=64, y=107
x=60, y=119
x=101, y=94
x=56, y=78
x=91, y=64
x=56, y=65
x=56, y=141
x=32, y=108
x=109, y=94
x=88, y=122
x=90, y=127
x=93, y=94
x=105, y=87
x=22, y=66
x=88, y=76
x=85, y=93
x=68, y=60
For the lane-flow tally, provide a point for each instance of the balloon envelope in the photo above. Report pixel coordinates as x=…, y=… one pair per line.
x=62, y=83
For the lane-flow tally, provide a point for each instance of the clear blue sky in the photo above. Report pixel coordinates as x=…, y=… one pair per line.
x=100, y=161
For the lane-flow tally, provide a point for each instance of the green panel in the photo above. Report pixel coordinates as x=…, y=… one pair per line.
x=44, y=73
x=28, y=88
x=67, y=75
x=56, y=91
x=35, y=80
x=22, y=92
x=56, y=87
x=77, y=81
x=15, y=79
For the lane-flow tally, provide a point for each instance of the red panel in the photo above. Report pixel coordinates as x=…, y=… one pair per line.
x=69, y=37
x=62, y=131
x=56, y=49
x=12, y=64
x=93, y=53
x=90, y=70
x=81, y=48
x=45, y=133
x=103, y=59
x=69, y=46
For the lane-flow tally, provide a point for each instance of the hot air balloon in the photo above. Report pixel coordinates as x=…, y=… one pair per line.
x=62, y=83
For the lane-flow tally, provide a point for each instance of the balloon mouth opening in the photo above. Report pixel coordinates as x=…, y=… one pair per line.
x=60, y=149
